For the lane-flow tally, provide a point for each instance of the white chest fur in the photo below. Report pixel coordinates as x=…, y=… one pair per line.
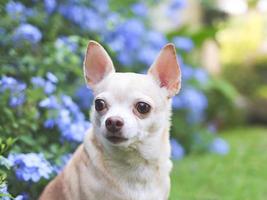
x=105, y=178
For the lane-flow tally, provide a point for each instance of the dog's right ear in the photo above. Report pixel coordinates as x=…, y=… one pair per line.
x=97, y=64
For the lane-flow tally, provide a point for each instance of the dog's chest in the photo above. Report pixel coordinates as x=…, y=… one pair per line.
x=146, y=184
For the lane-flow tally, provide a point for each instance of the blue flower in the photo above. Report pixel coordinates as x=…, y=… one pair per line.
x=38, y=81
x=147, y=55
x=75, y=131
x=187, y=72
x=31, y=166
x=101, y=6
x=16, y=88
x=156, y=39
x=17, y=100
x=84, y=96
x=177, y=4
x=51, y=103
x=177, y=151
x=201, y=76
x=194, y=101
x=51, y=77
x=48, y=86
x=10, y=83
x=219, y=146
x=50, y=123
x=4, y=192
x=183, y=43
x=66, y=42
x=50, y=5
x=130, y=34
x=87, y=18
x=125, y=58
x=15, y=9
x=27, y=32
x=139, y=9
x=68, y=118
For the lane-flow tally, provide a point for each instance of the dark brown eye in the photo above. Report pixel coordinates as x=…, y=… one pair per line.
x=143, y=107
x=100, y=105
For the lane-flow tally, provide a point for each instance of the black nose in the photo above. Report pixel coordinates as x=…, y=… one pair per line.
x=114, y=124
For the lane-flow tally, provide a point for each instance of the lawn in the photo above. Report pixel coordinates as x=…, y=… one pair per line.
x=240, y=175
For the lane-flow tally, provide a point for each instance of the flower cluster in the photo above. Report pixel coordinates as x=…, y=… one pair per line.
x=15, y=88
x=31, y=166
x=48, y=84
x=68, y=117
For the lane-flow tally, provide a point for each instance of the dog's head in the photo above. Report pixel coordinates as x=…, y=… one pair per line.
x=129, y=107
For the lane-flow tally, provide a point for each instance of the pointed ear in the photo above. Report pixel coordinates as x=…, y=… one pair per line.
x=166, y=71
x=97, y=64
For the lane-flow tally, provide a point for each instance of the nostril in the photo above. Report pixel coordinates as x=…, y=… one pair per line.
x=108, y=122
x=119, y=123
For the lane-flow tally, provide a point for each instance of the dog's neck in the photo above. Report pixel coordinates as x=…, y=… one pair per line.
x=152, y=151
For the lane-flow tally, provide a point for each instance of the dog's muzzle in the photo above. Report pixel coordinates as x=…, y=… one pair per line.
x=114, y=125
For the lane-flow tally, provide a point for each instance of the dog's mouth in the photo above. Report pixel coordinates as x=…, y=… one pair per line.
x=116, y=139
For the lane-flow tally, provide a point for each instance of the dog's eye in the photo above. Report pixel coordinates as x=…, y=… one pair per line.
x=142, y=107
x=100, y=105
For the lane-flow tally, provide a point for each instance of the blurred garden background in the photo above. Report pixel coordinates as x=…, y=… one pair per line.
x=219, y=126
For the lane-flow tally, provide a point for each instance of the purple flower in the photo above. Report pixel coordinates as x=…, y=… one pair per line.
x=219, y=146
x=183, y=43
x=27, y=32
x=177, y=151
x=31, y=166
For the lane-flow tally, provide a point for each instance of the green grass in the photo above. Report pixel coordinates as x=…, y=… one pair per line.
x=240, y=175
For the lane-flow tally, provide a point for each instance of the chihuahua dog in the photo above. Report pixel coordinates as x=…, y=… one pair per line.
x=126, y=153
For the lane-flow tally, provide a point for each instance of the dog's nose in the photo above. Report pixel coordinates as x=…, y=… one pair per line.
x=114, y=124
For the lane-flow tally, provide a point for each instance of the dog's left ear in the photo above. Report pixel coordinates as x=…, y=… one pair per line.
x=166, y=71
x=97, y=64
